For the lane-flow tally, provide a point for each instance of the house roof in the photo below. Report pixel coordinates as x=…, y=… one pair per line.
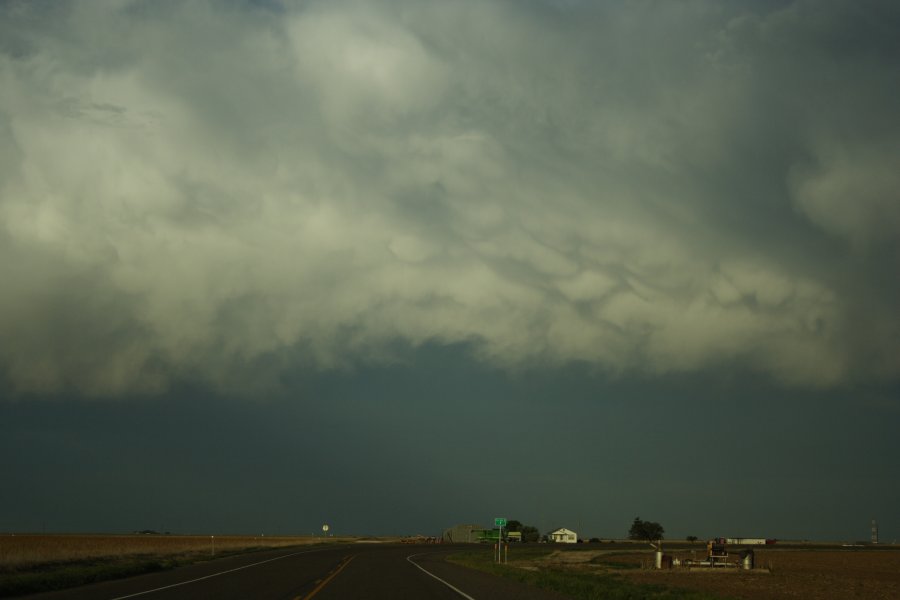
x=561, y=530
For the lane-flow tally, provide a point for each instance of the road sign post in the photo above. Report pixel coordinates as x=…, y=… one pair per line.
x=501, y=523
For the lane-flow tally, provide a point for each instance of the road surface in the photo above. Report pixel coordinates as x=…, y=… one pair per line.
x=359, y=571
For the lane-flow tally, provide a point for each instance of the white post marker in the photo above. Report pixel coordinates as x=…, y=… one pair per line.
x=325, y=529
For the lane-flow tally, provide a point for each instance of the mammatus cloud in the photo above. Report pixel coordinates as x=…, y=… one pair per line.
x=223, y=192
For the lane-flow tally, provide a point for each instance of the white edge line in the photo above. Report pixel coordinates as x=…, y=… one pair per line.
x=166, y=587
x=409, y=559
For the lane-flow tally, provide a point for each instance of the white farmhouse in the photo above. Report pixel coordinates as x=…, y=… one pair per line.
x=563, y=536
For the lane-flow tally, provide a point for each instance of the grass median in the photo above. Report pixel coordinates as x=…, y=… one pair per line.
x=58, y=576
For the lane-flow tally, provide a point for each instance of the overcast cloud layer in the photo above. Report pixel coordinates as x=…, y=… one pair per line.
x=205, y=192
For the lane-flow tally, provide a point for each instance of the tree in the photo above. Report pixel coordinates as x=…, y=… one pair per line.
x=529, y=533
x=646, y=530
x=692, y=538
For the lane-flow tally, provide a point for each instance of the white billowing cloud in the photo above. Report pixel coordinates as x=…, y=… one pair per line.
x=587, y=286
x=853, y=192
x=196, y=192
x=360, y=63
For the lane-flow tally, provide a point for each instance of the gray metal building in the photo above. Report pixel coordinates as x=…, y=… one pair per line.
x=462, y=534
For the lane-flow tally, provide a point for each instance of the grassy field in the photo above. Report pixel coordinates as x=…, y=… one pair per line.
x=528, y=565
x=35, y=563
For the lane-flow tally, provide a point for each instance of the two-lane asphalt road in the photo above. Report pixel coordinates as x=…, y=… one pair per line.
x=363, y=571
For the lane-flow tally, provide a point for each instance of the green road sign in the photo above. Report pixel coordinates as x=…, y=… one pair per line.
x=499, y=522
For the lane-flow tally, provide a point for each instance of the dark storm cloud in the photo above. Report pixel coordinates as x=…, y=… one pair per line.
x=194, y=191
x=370, y=457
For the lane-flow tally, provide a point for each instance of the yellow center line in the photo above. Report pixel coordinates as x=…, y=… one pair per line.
x=327, y=579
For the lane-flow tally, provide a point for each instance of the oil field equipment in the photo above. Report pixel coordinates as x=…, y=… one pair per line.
x=716, y=552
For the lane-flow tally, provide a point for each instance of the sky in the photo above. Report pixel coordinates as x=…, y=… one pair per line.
x=397, y=265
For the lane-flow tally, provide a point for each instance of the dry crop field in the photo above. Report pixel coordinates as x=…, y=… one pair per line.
x=24, y=551
x=801, y=573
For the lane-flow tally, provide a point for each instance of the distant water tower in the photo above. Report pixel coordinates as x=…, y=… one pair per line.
x=874, y=531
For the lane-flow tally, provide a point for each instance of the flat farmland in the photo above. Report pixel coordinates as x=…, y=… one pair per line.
x=31, y=563
x=831, y=574
x=24, y=550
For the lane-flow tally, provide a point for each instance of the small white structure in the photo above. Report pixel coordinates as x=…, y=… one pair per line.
x=563, y=536
x=746, y=541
